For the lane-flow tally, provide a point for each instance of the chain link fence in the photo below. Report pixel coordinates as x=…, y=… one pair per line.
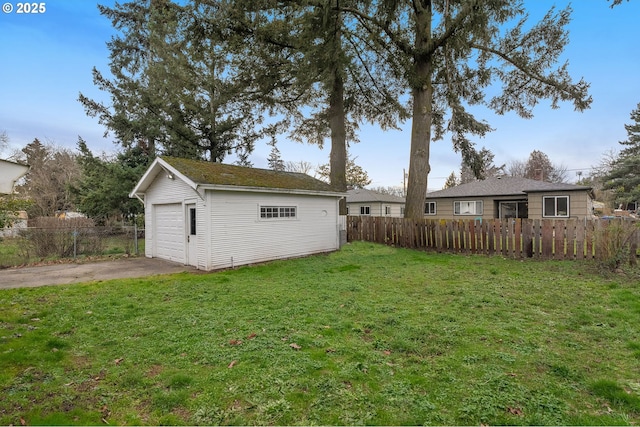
x=51, y=239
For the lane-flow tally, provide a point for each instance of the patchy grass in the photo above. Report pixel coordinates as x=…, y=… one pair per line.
x=366, y=335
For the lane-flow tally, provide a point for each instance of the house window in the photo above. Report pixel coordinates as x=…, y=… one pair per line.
x=513, y=210
x=555, y=206
x=402, y=210
x=365, y=210
x=430, y=208
x=387, y=210
x=268, y=212
x=467, y=207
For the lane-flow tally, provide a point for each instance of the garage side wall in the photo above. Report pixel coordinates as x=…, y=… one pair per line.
x=239, y=236
x=164, y=202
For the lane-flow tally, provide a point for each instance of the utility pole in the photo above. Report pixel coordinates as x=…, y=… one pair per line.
x=404, y=182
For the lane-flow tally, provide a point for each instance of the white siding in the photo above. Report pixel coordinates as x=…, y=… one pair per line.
x=239, y=236
x=229, y=229
x=377, y=208
x=203, y=230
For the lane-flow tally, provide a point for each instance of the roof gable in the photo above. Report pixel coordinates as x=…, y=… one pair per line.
x=503, y=186
x=197, y=173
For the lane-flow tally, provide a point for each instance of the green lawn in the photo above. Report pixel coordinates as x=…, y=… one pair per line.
x=366, y=335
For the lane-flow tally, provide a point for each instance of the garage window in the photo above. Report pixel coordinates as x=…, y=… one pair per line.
x=269, y=212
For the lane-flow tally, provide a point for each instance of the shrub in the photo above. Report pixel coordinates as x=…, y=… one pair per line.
x=47, y=236
x=614, y=238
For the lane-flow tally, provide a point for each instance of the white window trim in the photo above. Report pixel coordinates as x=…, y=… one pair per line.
x=278, y=218
x=556, y=206
x=387, y=210
x=435, y=206
x=475, y=212
x=364, y=208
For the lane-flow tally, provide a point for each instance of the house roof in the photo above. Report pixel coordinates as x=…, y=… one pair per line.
x=197, y=173
x=503, y=186
x=362, y=195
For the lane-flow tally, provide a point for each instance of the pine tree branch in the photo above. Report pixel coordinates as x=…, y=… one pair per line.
x=569, y=91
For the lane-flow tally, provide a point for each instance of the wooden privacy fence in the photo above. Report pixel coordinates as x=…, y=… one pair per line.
x=517, y=238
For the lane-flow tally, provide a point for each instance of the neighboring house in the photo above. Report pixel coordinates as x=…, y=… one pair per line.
x=10, y=172
x=510, y=197
x=212, y=215
x=366, y=202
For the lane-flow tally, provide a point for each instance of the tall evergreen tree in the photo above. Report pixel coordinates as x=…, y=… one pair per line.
x=102, y=193
x=452, y=181
x=450, y=51
x=322, y=74
x=174, y=89
x=275, y=160
x=624, y=174
x=357, y=177
x=480, y=167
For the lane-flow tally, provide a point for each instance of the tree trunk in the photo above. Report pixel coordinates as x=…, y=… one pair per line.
x=422, y=93
x=337, y=119
x=338, y=155
x=419, y=167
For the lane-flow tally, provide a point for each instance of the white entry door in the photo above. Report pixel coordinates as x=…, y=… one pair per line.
x=192, y=234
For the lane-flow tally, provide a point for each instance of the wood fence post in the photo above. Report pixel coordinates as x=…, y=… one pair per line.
x=527, y=237
x=633, y=247
x=559, y=241
x=517, y=241
x=581, y=228
x=547, y=238
x=504, y=237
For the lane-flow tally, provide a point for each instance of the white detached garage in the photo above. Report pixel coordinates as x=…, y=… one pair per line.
x=212, y=215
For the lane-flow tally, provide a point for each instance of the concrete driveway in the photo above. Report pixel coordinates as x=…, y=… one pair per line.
x=60, y=274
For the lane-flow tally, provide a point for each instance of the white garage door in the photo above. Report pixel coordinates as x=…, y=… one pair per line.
x=169, y=232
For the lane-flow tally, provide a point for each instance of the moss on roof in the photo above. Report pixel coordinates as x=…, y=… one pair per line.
x=209, y=173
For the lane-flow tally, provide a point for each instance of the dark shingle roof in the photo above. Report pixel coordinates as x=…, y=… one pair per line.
x=362, y=195
x=209, y=173
x=503, y=186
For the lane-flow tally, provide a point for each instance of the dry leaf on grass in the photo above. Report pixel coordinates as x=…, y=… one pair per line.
x=515, y=411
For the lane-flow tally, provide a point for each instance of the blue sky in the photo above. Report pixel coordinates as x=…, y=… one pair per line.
x=46, y=61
